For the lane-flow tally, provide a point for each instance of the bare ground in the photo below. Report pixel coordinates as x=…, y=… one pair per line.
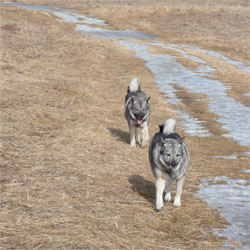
x=69, y=179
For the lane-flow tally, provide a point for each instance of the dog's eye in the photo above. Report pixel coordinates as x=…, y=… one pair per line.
x=168, y=155
x=177, y=155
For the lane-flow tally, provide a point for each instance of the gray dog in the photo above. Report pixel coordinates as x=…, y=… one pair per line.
x=137, y=113
x=169, y=160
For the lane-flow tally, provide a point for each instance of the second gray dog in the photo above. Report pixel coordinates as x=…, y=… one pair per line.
x=169, y=159
x=137, y=113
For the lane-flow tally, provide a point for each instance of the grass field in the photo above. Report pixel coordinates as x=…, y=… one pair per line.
x=69, y=179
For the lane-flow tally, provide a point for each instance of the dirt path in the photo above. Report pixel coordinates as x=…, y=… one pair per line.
x=69, y=179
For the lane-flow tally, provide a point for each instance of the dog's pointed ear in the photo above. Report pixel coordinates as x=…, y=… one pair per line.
x=128, y=90
x=148, y=98
x=161, y=128
x=163, y=141
x=182, y=139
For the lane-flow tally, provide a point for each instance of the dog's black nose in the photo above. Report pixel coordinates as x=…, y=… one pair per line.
x=140, y=115
x=173, y=164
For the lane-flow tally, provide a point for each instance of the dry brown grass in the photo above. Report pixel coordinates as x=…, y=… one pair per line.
x=69, y=179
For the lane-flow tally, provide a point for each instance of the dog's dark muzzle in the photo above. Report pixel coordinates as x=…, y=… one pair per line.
x=139, y=116
x=139, y=119
x=173, y=164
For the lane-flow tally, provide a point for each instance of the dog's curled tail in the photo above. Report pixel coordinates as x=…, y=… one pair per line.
x=168, y=126
x=134, y=85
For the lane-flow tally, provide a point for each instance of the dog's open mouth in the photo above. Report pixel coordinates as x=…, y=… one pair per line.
x=139, y=122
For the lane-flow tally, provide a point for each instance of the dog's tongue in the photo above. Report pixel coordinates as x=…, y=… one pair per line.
x=139, y=122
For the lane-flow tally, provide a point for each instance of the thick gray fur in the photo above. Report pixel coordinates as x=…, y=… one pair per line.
x=169, y=159
x=137, y=113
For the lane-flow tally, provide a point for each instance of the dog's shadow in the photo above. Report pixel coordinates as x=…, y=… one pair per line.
x=120, y=135
x=143, y=187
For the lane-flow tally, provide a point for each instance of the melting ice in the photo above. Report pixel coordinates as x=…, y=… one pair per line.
x=232, y=200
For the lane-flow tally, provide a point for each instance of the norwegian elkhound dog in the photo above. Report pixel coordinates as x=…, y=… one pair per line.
x=137, y=113
x=169, y=159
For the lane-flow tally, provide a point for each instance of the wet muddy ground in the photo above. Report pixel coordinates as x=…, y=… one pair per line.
x=68, y=176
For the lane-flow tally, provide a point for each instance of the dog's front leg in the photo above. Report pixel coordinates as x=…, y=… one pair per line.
x=159, y=186
x=144, y=135
x=132, y=135
x=137, y=136
x=168, y=190
x=177, y=198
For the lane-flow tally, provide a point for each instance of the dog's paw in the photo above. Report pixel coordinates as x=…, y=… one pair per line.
x=177, y=202
x=132, y=145
x=158, y=210
x=167, y=197
x=158, y=206
x=138, y=141
x=143, y=144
